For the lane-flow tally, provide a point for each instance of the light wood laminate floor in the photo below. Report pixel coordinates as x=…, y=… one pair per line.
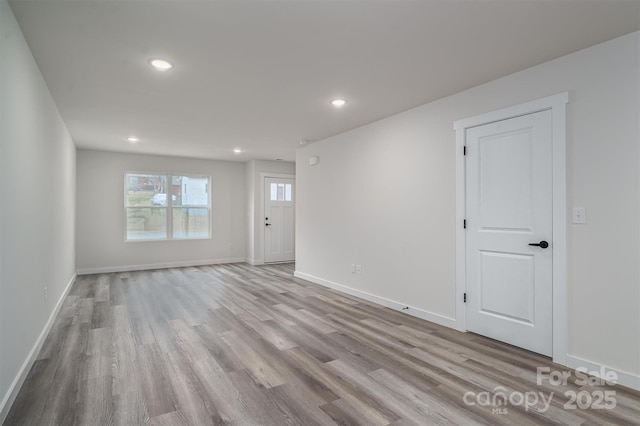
x=245, y=345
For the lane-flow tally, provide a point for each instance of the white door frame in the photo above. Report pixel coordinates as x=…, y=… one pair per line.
x=263, y=176
x=557, y=105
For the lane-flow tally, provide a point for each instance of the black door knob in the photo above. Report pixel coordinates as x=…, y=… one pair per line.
x=542, y=244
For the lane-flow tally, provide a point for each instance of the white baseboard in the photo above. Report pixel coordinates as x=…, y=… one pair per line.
x=12, y=393
x=257, y=262
x=402, y=307
x=625, y=379
x=181, y=264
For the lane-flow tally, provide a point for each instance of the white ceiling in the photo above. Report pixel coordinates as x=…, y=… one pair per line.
x=259, y=75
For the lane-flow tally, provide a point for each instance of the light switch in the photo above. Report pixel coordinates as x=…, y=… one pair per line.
x=579, y=215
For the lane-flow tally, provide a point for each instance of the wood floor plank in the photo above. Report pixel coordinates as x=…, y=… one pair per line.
x=218, y=349
x=191, y=398
x=378, y=359
x=422, y=403
x=259, y=402
x=298, y=409
x=156, y=387
x=212, y=378
x=370, y=408
x=56, y=338
x=252, y=345
x=313, y=344
x=97, y=406
x=117, y=287
x=102, y=288
x=416, y=408
x=252, y=360
x=100, y=315
x=174, y=418
x=343, y=414
x=270, y=333
x=126, y=371
x=85, y=310
x=305, y=318
x=28, y=407
x=130, y=408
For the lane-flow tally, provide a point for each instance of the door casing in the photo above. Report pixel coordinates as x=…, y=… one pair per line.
x=557, y=105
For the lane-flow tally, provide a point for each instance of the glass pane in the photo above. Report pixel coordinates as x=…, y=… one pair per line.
x=287, y=192
x=146, y=223
x=274, y=192
x=161, y=199
x=191, y=223
x=190, y=191
x=146, y=190
x=281, y=192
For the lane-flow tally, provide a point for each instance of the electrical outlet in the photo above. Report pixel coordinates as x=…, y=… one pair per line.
x=46, y=293
x=358, y=269
x=353, y=268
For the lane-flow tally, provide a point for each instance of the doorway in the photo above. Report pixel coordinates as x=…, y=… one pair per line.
x=279, y=219
x=511, y=245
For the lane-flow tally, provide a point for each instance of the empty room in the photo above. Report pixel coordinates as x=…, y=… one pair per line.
x=320, y=212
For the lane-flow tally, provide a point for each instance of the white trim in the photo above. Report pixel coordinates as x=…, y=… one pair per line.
x=18, y=381
x=166, y=265
x=625, y=379
x=461, y=236
x=153, y=240
x=557, y=104
x=263, y=176
x=560, y=299
x=277, y=175
x=254, y=262
x=168, y=207
x=401, y=307
x=513, y=111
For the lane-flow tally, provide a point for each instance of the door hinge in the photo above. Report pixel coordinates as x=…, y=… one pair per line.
x=464, y=150
x=464, y=223
x=464, y=299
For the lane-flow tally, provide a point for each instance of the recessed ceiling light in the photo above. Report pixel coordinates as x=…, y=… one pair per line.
x=338, y=103
x=133, y=139
x=160, y=64
x=237, y=150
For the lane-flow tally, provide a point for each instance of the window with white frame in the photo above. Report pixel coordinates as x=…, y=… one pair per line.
x=162, y=206
x=281, y=192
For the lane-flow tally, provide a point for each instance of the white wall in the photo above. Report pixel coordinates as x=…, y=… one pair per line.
x=383, y=196
x=37, y=171
x=249, y=186
x=254, y=172
x=101, y=218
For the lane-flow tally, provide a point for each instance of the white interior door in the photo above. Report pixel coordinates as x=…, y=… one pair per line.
x=279, y=217
x=509, y=207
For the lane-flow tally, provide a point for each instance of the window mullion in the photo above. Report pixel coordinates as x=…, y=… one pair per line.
x=170, y=207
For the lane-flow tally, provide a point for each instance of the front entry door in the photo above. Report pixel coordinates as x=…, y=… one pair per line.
x=509, y=228
x=279, y=237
